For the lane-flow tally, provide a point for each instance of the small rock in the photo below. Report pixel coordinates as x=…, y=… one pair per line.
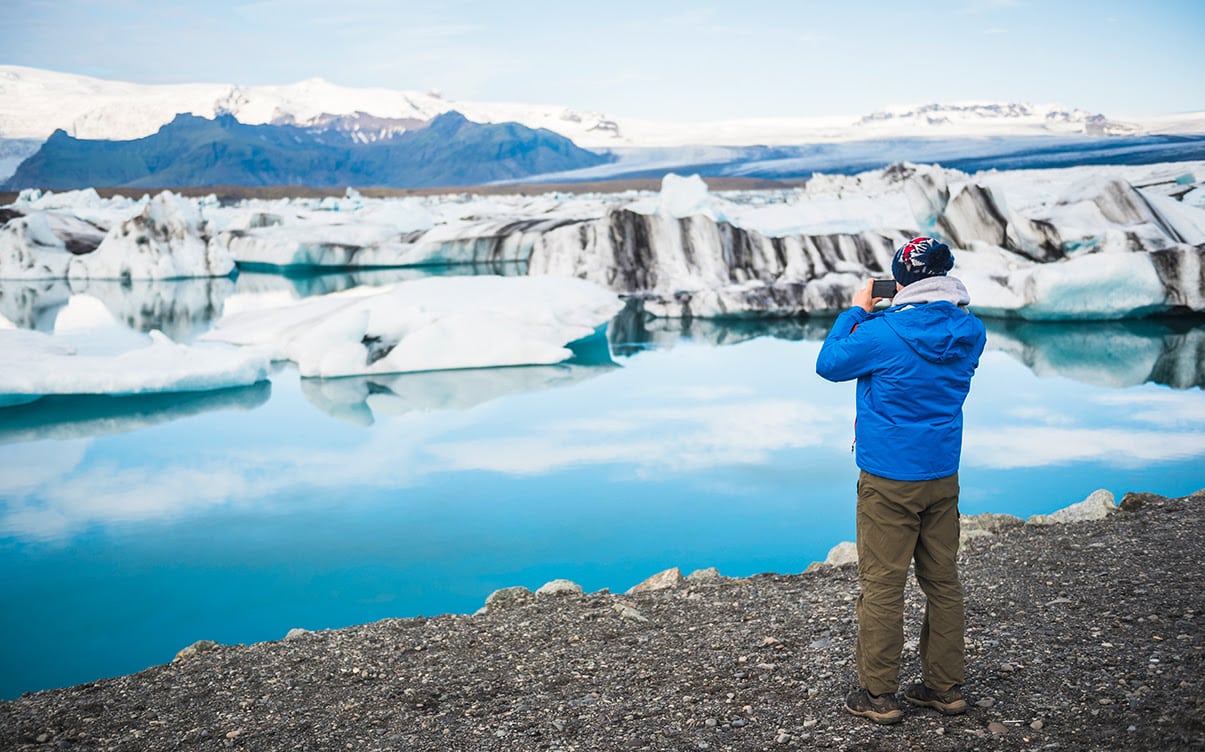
x=1037, y=725
x=821, y=643
x=782, y=738
x=996, y=727
x=627, y=612
x=1132, y=502
x=986, y=702
x=235, y=734
x=940, y=730
x=769, y=642
x=810, y=722
x=560, y=587
x=1007, y=668
x=296, y=632
x=660, y=581
x=195, y=649
x=738, y=722
x=43, y=738
x=711, y=723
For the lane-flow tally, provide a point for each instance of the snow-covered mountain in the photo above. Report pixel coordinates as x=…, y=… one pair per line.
x=33, y=103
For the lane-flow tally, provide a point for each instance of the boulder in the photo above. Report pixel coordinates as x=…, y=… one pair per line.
x=507, y=597
x=560, y=587
x=845, y=552
x=988, y=523
x=1097, y=506
x=1132, y=502
x=710, y=574
x=195, y=649
x=670, y=578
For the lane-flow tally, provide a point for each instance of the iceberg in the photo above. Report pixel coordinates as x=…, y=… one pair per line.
x=37, y=364
x=166, y=237
x=1020, y=239
x=427, y=324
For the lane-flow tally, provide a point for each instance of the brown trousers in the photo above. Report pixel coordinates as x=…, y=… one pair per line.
x=900, y=522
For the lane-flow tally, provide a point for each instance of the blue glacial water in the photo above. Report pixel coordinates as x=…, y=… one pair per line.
x=132, y=527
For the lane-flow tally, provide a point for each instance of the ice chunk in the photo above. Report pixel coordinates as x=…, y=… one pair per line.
x=685, y=197
x=1096, y=286
x=39, y=364
x=428, y=324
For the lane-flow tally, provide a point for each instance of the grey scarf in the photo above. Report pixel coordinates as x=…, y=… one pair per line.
x=932, y=289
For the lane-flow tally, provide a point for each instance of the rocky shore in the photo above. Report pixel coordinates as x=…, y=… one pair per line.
x=1081, y=636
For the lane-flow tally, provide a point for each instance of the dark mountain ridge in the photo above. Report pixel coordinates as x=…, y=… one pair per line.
x=194, y=151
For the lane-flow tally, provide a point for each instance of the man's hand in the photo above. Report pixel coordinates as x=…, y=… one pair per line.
x=863, y=298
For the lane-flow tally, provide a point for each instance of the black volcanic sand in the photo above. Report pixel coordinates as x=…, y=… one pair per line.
x=1083, y=636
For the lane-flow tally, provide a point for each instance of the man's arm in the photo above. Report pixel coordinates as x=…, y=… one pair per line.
x=845, y=355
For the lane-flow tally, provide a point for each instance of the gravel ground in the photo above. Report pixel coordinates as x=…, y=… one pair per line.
x=1080, y=637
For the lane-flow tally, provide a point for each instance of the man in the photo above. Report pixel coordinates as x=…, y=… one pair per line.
x=913, y=362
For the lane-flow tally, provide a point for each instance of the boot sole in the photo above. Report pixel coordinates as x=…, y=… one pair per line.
x=945, y=708
x=883, y=719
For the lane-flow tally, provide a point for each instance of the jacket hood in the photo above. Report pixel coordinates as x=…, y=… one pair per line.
x=928, y=316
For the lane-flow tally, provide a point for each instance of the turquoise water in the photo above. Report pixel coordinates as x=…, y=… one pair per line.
x=130, y=528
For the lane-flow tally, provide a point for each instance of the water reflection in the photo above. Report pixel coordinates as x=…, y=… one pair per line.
x=358, y=399
x=632, y=330
x=81, y=416
x=1168, y=351
x=183, y=309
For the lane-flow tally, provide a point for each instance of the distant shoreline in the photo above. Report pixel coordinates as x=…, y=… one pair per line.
x=227, y=193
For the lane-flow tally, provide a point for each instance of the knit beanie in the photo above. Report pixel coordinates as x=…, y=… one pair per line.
x=920, y=258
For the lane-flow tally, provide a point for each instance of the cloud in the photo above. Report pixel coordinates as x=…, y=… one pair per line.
x=1018, y=446
x=989, y=6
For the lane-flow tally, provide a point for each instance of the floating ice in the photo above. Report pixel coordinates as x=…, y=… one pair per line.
x=165, y=238
x=37, y=364
x=428, y=324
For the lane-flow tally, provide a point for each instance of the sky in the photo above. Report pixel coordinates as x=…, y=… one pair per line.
x=655, y=59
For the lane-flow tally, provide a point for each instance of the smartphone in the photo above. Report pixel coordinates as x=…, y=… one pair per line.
x=883, y=288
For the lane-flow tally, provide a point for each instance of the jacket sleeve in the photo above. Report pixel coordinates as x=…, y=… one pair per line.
x=846, y=353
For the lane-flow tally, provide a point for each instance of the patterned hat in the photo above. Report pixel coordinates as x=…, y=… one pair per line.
x=920, y=258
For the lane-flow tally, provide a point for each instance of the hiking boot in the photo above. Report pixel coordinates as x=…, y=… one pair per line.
x=950, y=702
x=883, y=709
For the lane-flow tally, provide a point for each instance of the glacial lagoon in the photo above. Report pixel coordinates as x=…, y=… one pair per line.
x=131, y=527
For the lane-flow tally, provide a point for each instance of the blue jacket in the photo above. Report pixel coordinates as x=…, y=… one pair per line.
x=914, y=365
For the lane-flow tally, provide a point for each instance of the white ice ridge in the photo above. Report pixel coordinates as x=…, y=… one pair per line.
x=1085, y=242
x=37, y=364
x=427, y=324
x=86, y=237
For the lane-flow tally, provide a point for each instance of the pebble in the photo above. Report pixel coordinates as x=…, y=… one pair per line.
x=738, y=722
x=996, y=727
x=986, y=702
x=711, y=723
x=1036, y=725
x=782, y=738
